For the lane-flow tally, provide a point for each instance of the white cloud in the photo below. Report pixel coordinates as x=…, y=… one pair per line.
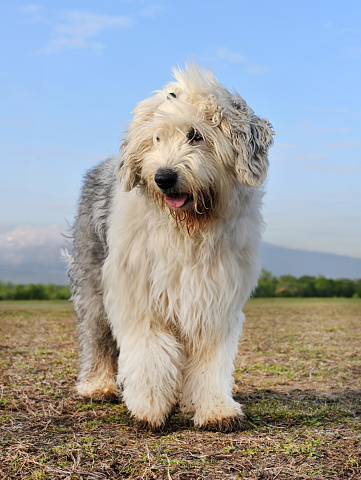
x=33, y=14
x=329, y=130
x=16, y=243
x=151, y=10
x=55, y=152
x=284, y=147
x=74, y=29
x=79, y=29
x=223, y=53
x=257, y=69
x=338, y=168
x=344, y=144
x=5, y=227
x=281, y=156
x=332, y=110
x=16, y=122
x=232, y=57
x=352, y=52
x=312, y=161
x=28, y=235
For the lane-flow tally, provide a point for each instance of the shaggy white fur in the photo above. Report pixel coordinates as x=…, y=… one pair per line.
x=166, y=253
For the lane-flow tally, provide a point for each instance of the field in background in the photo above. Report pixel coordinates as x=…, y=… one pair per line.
x=297, y=375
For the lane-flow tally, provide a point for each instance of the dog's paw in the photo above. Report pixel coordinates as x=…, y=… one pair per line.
x=151, y=422
x=98, y=390
x=223, y=417
x=228, y=424
x=160, y=428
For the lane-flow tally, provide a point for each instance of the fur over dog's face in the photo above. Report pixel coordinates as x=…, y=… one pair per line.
x=191, y=144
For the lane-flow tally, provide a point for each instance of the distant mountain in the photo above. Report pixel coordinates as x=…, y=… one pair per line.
x=34, y=273
x=283, y=261
x=43, y=264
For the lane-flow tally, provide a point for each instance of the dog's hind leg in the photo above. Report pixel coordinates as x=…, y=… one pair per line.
x=99, y=354
x=98, y=348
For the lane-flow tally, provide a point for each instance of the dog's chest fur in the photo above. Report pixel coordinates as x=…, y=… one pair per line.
x=189, y=282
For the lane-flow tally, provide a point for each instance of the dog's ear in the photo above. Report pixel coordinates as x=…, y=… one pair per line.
x=130, y=170
x=251, y=138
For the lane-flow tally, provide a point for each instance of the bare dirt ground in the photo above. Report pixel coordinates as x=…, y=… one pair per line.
x=297, y=375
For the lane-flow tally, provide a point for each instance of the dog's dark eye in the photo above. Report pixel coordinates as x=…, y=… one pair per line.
x=194, y=137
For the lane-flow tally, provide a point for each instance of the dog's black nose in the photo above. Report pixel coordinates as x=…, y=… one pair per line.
x=166, y=179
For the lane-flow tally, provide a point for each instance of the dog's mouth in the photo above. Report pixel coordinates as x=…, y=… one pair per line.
x=176, y=201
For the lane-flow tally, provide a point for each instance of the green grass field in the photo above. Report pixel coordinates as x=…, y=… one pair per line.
x=297, y=374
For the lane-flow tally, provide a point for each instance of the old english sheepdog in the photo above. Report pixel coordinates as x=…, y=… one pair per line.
x=166, y=253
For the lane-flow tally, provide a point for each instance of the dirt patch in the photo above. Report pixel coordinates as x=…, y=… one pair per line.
x=297, y=375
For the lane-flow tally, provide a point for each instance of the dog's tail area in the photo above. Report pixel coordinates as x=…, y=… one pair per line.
x=66, y=257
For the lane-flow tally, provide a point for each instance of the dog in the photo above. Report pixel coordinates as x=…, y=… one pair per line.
x=165, y=254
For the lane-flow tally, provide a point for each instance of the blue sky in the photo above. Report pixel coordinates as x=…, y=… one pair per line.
x=71, y=73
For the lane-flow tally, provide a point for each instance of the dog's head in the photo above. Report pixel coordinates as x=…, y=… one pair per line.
x=189, y=145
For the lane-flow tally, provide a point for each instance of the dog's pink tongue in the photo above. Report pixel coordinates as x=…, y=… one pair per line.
x=176, y=202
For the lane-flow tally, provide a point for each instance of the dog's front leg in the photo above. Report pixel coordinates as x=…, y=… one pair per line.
x=207, y=380
x=149, y=372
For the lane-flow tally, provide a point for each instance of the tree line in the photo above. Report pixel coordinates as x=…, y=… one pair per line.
x=268, y=286
x=32, y=291
x=306, y=286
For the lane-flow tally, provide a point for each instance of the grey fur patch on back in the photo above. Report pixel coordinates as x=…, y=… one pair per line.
x=98, y=347
x=95, y=202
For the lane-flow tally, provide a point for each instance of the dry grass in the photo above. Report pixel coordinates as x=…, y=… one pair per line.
x=297, y=375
